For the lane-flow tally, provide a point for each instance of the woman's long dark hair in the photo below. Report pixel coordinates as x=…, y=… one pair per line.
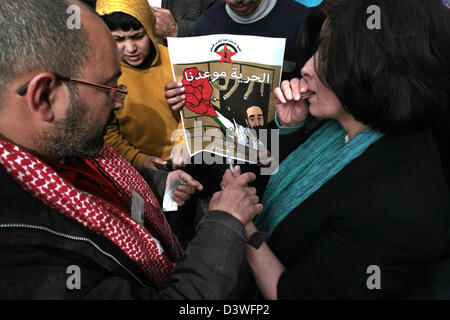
x=395, y=78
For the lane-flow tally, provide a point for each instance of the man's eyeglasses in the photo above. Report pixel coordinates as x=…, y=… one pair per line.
x=119, y=92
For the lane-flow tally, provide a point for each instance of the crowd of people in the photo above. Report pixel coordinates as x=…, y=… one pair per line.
x=87, y=155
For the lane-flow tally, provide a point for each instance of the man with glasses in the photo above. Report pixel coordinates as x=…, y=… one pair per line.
x=76, y=219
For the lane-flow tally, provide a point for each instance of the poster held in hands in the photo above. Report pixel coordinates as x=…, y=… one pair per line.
x=229, y=82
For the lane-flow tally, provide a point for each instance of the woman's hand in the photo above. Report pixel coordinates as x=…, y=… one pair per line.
x=292, y=110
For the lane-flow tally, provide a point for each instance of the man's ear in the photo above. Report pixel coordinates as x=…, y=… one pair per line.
x=38, y=95
x=246, y=121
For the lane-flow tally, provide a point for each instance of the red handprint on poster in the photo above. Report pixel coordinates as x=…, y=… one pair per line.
x=198, y=92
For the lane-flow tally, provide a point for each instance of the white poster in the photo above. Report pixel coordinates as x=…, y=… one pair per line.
x=155, y=3
x=229, y=82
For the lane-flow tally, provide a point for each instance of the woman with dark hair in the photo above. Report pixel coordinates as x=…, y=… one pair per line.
x=360, y=207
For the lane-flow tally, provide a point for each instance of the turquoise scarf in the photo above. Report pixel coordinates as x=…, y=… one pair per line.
x=310, y=3
x=308, y=168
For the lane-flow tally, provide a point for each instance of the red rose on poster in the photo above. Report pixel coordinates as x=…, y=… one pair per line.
x=198, y=92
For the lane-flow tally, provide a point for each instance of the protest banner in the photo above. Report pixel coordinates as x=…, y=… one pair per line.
x=229, y=82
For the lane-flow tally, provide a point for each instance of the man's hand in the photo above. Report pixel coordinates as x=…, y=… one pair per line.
x=183, y=191
x=175, y=95
x=152, y=161
x=229, y=176
x=166, y=26
x=291, y=109
x=238, y=199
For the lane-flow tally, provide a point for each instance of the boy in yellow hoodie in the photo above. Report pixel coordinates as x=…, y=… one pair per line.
x=142, y=130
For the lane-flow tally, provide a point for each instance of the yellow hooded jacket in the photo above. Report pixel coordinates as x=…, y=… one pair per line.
x=145, y=124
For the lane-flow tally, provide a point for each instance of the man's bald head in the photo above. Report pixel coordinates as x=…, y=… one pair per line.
x=51, y=118
x=36, y=37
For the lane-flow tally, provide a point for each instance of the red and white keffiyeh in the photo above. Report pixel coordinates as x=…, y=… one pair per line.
x=43, y=183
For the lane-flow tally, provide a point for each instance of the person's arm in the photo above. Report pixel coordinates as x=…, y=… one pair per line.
x=185, y=27
x=185, y=13
x=166, y=25
x=209, y=271
x=156, y=179
x=202, y=26
x=267, y=269
x=213, y=260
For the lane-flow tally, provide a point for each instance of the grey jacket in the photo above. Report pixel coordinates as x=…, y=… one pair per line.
x=186, y=12
x=39, y=246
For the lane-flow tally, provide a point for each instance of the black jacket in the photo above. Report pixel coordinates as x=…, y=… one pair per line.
x=388, y=208
x=39, y=245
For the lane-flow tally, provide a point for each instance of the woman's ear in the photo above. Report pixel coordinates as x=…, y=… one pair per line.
x=38, y=96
